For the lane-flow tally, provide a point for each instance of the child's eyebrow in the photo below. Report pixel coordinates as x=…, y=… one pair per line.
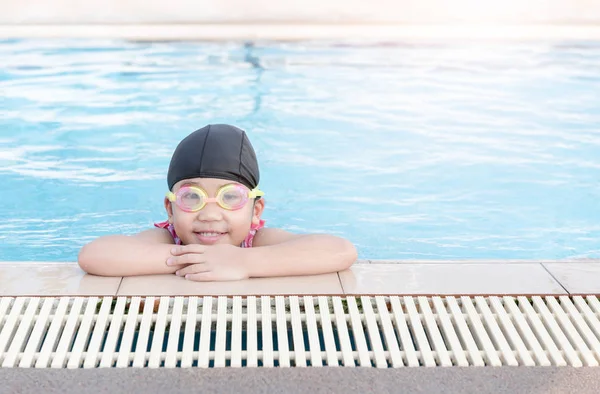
x=193, y=184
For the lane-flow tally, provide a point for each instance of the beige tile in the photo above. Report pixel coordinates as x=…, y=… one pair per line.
x=577, y=278
x=449, y=279
x=159, y=285
x=52, y=279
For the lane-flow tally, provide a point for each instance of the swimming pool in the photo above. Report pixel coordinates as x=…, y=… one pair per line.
x=412, y=151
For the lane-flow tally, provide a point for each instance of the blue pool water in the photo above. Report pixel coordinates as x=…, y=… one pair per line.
x=424, y=151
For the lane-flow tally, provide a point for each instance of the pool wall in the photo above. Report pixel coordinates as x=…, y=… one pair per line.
x=299, y=11
x=301, y=20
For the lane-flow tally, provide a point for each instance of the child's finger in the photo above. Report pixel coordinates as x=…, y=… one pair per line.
x=190, y=258
x=192, y=269
x=201, y=277
x=184, y=249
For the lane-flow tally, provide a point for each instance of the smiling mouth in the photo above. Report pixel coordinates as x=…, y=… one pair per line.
x=210, y=233
x=209, y=237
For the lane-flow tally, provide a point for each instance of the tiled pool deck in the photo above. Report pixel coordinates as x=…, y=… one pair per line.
x=364, y=277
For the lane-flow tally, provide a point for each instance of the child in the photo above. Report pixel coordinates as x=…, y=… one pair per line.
x=214, y=229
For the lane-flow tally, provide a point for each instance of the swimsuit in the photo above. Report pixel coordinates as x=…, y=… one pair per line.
x=246, y=243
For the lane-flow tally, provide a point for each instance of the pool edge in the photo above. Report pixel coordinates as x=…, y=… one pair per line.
x=302, y=32
x=472, y=278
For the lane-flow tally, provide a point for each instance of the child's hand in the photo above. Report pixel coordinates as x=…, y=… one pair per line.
x=209, y=262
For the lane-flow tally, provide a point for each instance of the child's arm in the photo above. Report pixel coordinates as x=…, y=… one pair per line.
x=122, y=255
x=280, y=253
x=275, y=253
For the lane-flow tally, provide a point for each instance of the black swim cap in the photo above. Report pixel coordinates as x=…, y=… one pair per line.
x=215, y=151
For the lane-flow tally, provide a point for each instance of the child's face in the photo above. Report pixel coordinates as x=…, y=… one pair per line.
x=213, y=224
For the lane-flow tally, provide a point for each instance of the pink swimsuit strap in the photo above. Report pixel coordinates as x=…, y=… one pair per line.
x=246, y=243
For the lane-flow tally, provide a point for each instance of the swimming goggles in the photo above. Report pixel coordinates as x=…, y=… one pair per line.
x=231, y=197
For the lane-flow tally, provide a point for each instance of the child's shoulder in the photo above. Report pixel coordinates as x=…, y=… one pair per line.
x=271, y=236
x=155, y=235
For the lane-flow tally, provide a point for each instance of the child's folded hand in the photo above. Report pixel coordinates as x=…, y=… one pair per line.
x=209, y=262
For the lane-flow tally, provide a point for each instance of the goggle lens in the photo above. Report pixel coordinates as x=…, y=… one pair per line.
x=232, y=197
x=191, y=199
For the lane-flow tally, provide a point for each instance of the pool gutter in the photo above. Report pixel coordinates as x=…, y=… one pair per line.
x=380, y=314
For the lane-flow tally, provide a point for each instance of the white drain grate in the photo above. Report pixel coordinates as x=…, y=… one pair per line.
x=286, y=331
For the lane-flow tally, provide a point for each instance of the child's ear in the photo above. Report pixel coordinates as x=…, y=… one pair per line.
x=259, y=207
x=169, y=209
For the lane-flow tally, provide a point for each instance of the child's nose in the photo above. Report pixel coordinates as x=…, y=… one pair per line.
x=211, y=212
